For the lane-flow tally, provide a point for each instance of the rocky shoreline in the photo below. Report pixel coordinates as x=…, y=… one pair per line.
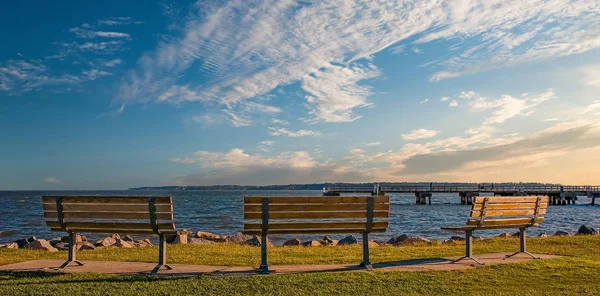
x=201, y=237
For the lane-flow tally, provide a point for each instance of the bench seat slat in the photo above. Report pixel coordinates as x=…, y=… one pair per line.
x=315, y=215
x=122, y=231
x=475, y=227
x=511, y=221
x=111, y=215
x=507, y=213
x=308, y=231
x=89, y=207
x=505, y=206
x=108, y=199
x=110, y=225
x=315, y=225
x=316, y=207
x=293, y=200
x=511, y=200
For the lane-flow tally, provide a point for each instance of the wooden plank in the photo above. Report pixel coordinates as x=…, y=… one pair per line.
x=475, y=227
x=88, y=207
x=513, y=199
x=507, y=213
x=306, y=231
x=110, y=225
x=121, y=231
x=316, y=215
x=316, y=225
x=316, y=207
x=108, y=199
x=314, y=199
x=511, y=206
x=110, y=215
x=490, y=222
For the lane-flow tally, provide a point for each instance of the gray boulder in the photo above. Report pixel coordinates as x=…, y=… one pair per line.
x=397, y=239
x=61, y=246
x=349, y=240
x=561, y=233
x=86, y=246
x=106, y=242
x=128, y=238
x=180, y=239
x=23, y=242
x=237, y=238
x=209, y=236
x=42, y=245
x=584, y=230
x=256, y=241
x=413, y=241
x=11, y=246
x=292, y=242
x=326, y=241
x=542, y=235
x=199, y=241
x=123, y=244
x=312, y=243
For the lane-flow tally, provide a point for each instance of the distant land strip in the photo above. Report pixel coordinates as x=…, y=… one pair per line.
x=320, y=186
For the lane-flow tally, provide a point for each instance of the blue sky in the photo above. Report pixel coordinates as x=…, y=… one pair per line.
x=111, y=95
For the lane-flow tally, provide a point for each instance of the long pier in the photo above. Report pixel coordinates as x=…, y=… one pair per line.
x=559, y=195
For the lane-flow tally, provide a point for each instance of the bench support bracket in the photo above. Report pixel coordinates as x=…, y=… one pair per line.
x=162, y=255
x=72, y=250
x=264, y=267
x=366, y=262
x=469, y=248
x=523, y=245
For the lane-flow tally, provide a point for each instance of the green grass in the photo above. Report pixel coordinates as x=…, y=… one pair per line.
x=577, y=273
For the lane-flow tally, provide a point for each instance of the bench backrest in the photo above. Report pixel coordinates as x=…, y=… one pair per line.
x=109, y=214
x=506, y=211
x=297, y=214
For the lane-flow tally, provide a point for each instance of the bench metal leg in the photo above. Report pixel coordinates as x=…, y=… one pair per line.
x=469, y=249
x=366, y=262
x=264, y=267
x=162, y=255
x=72, y=250
x=523, y=245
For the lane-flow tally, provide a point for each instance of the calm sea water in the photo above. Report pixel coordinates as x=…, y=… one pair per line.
x=221, y=212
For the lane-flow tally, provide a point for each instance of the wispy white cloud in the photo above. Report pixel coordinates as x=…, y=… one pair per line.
x=550, y=119
x=424, y=101
x=443, y=99
x=265, y=146
x=371, y=144
x=280, y=131
x=279, y=121
x=592, y=107
x=89, y=34
x=94, y=73
x=453, y=103
x=51, y=180
x=112, y=63
x=398, y=49
x=118, y=21
x=278, y=43
x=507, y=106
x=591, y=75
x=420, y=134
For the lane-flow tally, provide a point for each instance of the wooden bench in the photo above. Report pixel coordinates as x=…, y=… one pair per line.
x=110, y=214
x=500, y=213
x=315, y=214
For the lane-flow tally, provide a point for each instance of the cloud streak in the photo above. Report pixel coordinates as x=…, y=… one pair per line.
x=322, y=45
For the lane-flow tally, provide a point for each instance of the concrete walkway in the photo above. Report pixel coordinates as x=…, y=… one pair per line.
x=112, y=267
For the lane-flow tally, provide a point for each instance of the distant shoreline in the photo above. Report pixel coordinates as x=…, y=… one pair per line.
x=314, y=186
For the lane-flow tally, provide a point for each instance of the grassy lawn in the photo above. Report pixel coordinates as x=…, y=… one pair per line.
x=577, y=273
